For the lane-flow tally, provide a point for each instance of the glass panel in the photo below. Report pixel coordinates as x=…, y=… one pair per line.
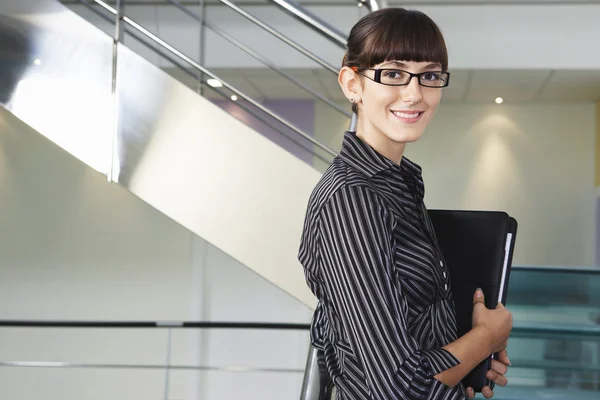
x=81, y=383
x=555, y=344
x=556, y=298
x=555, y=286
x=295, y=95
x=92, y=363
x=235, y=385
x=267, y=350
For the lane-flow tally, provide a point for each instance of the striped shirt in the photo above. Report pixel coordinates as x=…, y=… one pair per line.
x=372, y=260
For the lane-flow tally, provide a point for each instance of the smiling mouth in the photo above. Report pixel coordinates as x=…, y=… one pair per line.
x=407, y=115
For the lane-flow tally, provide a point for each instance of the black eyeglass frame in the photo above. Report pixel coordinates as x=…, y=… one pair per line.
x=378, y=71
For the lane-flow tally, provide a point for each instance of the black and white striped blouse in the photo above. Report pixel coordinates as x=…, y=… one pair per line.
x=385, y=307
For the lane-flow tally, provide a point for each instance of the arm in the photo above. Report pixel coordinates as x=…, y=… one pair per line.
x=357, y=269
x=491, y=329
x=470, y=349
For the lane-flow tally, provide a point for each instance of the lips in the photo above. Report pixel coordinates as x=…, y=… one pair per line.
x=409, y=117
x=407, y=114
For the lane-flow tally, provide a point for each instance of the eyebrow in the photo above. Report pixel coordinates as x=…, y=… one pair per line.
x=402, y=65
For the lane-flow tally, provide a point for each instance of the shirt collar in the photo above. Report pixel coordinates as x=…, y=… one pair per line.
x=367, y=160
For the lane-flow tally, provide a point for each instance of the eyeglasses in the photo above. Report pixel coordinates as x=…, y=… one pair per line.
x=398, y=77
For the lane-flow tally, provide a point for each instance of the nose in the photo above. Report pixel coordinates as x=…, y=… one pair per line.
x=411, y=93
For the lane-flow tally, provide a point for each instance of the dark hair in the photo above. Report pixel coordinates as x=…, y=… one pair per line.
x=394, y=34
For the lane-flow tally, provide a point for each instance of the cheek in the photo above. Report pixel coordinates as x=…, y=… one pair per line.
x=379, y=98
x=389, y=96
x=432, y=98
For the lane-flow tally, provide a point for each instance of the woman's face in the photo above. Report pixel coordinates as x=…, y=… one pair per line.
x=390, y=115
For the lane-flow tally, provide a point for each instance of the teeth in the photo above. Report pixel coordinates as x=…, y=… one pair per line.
x=405, y=115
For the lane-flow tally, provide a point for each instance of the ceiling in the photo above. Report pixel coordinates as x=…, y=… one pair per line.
x=466, y=86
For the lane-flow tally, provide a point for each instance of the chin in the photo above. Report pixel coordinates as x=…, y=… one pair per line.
x=405, y=137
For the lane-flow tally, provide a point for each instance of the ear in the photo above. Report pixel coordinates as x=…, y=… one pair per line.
x=351, y=84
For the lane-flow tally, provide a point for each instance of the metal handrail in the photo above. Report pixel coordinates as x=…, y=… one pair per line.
x=154, y=324
x=241, y=105
x=556, y=269
x=516, y=363
x=313, y=22
x=260, y=58
x=538, y=330
x=280, y=36
x=520, y=328
x=197, y=66
x=61, y=364
x=374, y=5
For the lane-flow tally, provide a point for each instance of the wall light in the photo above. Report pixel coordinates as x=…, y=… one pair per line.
x=37, y=61
x=214, y=83
x=499, y=100
x=234, y=97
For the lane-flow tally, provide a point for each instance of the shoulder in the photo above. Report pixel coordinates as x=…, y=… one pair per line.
x=342, y=188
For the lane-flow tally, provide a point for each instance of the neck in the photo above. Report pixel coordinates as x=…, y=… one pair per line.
x=382, y=144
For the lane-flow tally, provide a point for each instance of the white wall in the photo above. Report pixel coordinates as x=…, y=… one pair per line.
x=534, y=161
x=510, y=36
x=73, y=246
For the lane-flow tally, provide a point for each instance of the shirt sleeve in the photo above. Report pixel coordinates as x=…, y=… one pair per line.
x=356, y=262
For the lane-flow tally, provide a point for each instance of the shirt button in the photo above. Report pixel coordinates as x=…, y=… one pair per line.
x=441, y=264
x=444, y=274
x=446, y=287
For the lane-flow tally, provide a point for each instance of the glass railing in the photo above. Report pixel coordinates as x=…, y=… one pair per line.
x=554, y=349
x=281, y=102
x=555, y=346
x=151, y=360
x=555, y=343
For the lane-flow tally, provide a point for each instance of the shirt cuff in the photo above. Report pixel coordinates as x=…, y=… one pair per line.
x=438, y=360
x=440, y=391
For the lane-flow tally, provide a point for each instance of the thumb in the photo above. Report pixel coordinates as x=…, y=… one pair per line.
x=478, y=297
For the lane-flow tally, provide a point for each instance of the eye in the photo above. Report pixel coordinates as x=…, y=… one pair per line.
x=394, y=74
x=431, y=76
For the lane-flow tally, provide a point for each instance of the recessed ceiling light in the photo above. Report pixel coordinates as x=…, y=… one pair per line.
x=214, y=83
x=499, y=100
x=234, y=97
x=37, y=61
x=360, y=4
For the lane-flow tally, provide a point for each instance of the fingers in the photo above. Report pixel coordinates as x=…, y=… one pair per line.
x=470, y=393
x=499, y=367
x=497, y=378
x=503, y=357
x=478, y=297
x=487, y=392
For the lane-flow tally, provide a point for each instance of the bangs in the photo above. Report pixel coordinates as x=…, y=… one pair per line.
x=402, y=35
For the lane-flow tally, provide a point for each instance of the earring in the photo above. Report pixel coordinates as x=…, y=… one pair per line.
x=352, y=100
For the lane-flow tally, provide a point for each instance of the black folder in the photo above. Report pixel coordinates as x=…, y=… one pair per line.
x=477, y=247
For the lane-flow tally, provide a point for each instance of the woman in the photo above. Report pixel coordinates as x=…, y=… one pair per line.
x=385, y=319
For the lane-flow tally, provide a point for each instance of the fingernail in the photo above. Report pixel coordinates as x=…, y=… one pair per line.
x=508, y=359
x=478, y=292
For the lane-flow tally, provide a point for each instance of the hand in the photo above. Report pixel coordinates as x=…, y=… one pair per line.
x=496, y=374
x=497, y=323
